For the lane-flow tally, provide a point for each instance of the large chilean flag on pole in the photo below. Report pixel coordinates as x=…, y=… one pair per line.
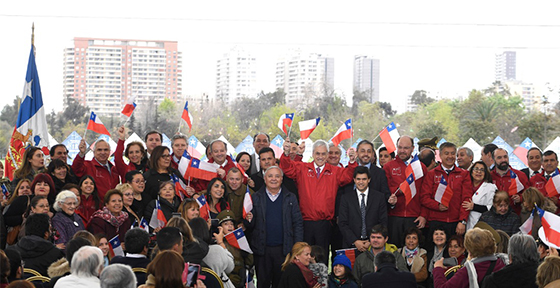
x=96, y=125
x=344, y=132
x=389, y=136
x=31, y=124
x=306, y=127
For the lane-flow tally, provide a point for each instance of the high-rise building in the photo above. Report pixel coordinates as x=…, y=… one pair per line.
x=103, y=73
x=505, y=66
x=236, y=76
x=366, y=77
x=304, y=76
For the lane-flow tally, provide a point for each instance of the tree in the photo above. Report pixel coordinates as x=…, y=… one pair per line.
x=9, y=113
x=420, y=97
x=387, y=109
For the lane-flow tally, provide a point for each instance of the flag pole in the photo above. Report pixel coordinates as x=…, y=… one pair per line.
x=180, y=122
x=352, y=137
x=33, y=34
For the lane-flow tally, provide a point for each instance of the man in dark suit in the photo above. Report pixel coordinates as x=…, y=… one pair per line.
x=387, y=275
x=266, y=159
x=136, y=245
x=367, y=158
x=360, y=209
x=260, y=141
x=535, y=162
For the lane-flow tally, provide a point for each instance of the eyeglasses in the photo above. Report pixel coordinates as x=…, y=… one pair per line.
x=138, y=181
x=70, y=203
x=165, y=156
x=478, y=169
x=128, y=194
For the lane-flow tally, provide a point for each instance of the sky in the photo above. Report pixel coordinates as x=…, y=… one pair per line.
x=445, y=46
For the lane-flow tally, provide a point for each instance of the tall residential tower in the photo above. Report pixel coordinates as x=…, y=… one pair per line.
x=505, y=66
x=236, y=76
x=366, y=77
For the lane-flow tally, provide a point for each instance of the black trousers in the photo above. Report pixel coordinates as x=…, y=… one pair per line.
x=269, y=267
x=397, y=228
x=318, y=233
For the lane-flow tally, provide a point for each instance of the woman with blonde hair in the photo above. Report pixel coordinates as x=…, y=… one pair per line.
x=128, y=199
x=295, y=268
x=531, y=197
x=548, y=273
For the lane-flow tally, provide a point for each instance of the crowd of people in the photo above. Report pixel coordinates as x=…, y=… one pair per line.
x=384, y=220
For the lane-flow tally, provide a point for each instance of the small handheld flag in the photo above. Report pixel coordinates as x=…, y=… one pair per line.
x=444, y=193
x=344, y=132
x=144, y=225
x=389, y=136
x=515, y=185
x=129, y=106
x=96, y=125
x=552, y=186
x=350, y=253
x=203, y=207
x=527, y=226
x=115, y=247
x=158, y=219
x=306, y=127
x=285, y=122
x=237, y=239
x=5, y=192
x=186, y=116
x=247, y=203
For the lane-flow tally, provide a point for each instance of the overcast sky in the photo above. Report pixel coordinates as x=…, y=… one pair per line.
x=431, y=45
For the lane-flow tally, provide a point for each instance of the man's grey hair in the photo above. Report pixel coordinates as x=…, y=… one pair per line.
x=87, y=262
x=320, y=143
x=274, y=167
x=117, y=276
x=179, y=136
x=100, y=141
x=332, y=145
x=468, y=150
x=523, y=249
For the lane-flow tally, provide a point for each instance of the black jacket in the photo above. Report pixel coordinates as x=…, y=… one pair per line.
x=513, y=275
x=350, y=216
x=387, y=275
x=287, y=182
x=292, y=278
x=153, y=179
x=37, y=253
x=167, y=208
x=291, y=220
x=378, y=181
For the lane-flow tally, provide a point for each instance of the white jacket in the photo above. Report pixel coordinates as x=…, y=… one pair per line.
x=220, y=261
x=72, y=281
x=483, y=196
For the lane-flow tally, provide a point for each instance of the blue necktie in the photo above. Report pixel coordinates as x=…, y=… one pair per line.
x=363, y=210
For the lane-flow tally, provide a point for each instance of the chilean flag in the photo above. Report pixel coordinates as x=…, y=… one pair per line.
x=179, y=187
x=195, y=148
x=408, y=187
x=201, y=170
x=285, y=122
x=552, y=186
x=306, y=127
x=186, y=116
x=551, y=227
x=115, y=248
x=247, y=203
x=129, y=106
x=521, y=150
x=144, y=225
x=237, y=239
x=158, y=219
x=527, y=226
x=96, y=125
x=203, y=207
x=389, y=135
x=444, y=193
x=5, y=192
x=515, y=185
x=415, y=167
x=350, y=253
x=344, y=132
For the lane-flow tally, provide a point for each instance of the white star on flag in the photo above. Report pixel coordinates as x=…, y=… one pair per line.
x=27, y=89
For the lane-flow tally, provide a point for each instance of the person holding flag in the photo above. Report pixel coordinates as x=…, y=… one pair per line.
x=317, y=185
x=508, y=179
x=104, y=173
x=404, y=215
x=243, y=259
x=160, y=171
x=443, y=192
x=236, y=192
x=134, y=152
x=544, y=180
x=166, y=201
x=275, y=224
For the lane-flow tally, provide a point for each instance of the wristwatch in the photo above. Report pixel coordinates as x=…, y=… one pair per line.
x=463, y=222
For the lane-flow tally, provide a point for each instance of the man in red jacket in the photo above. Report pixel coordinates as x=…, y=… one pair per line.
x=317, y=184
x=452, y=217
x=100, y=168
x=502, y=178
x=401, y=215
x=550, y=163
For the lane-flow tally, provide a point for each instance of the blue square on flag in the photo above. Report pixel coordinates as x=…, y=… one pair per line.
x=391, y=127
x=195, y=163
